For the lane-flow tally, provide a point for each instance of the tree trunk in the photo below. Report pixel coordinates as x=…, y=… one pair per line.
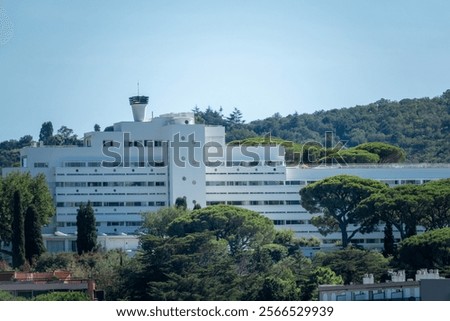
x=345, y=239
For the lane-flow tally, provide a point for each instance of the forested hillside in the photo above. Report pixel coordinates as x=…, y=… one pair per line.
x=420, y=126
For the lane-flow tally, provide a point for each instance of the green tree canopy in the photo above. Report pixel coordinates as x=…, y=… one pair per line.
x=241, y=228
x=279, y=285
x=209, y=116
x=157, y=223
x=435, y=203
x=86, y=229
x=46, y=132
x=337, y=198
x=399, y=206
x=49, y=262
x=6, y=296
x=351, y=263
x=33, y=190
x=321, y=275
x=234, y=119
x=194, y=260
x=62, y=296
x=387, y=153
x=354, y=156
x=429, y=250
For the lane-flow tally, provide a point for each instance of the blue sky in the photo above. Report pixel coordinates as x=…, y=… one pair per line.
x=75, y=63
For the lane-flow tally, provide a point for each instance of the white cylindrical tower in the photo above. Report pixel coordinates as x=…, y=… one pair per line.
x=138, y=105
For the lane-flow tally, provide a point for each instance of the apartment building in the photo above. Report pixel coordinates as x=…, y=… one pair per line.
x=426, y=286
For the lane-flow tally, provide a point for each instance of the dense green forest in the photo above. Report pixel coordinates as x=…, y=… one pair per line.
x=421, y=127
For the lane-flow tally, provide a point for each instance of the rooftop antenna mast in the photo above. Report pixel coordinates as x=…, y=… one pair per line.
x=138, y=88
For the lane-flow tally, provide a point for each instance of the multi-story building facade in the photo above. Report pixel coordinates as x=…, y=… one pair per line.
x=427, y=286
x=143, y=165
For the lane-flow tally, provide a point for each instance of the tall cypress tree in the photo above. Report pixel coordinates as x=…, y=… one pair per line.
x=86, y=230
x=18, y=233
x=388, y=241
x=34, y=244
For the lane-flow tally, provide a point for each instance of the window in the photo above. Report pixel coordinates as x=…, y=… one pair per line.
x=295, y=182
x=273, y=183
x=134, y=204
x=273, y=202
x=113, y=204
x=75, y=164
x=411, y=181
x=112, y=184
x=215, y=202
x=73, y=184
x=273, y=163
x=215, y=183
x=294, y=222
x=108, y=143
x=136, y=183
x=115, y=223
x=133, y=223
x=249, y=164
x=390, y=181
x=41, y=165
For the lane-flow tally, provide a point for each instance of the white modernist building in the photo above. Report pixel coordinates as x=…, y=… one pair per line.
x=146, y=164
